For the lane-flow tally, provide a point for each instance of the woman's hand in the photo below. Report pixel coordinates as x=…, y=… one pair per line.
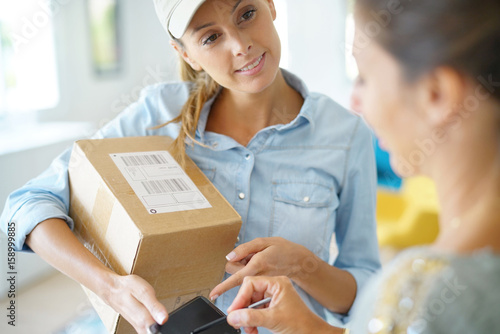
x=286, y=313
x=135, y=300
x=272, y=256
x=130, y=295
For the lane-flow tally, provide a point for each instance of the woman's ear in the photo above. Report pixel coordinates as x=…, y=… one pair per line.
x=182, y=52
x=441, y=94
x=272, y=8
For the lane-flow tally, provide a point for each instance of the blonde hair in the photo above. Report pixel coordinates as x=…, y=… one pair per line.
x=203, y=88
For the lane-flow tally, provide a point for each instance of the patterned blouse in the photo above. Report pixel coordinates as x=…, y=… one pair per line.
x=422, y=291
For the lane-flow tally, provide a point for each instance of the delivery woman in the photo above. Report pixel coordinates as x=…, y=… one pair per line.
x=297, y=167
x=431, y=75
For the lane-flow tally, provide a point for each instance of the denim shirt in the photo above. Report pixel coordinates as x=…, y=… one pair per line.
x=309, y=181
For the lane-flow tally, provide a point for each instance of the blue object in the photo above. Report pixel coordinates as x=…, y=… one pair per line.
x=385, y=174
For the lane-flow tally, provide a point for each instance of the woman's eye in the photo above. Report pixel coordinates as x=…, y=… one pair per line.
x=248, y=15
x=211, y=39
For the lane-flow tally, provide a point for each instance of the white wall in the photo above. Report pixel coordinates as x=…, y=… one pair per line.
x=144, y=48
x=316, y=39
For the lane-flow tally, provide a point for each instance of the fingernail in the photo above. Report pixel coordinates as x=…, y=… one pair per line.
x=234, y=319
x=214, y=297
x=230, y=256
x=160, y=317
x=154, y=329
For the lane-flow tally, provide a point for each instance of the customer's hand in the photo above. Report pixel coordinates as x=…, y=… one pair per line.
x=286, y=313
x=135, y=300
x=272, y=256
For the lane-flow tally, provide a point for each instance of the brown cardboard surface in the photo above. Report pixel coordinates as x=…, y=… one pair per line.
x=181, y=254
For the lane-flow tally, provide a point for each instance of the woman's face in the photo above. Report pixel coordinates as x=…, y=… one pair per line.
x=235, y=42
x=391, y=107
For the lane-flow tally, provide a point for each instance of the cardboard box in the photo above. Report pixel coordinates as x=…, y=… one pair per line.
x=137, y=212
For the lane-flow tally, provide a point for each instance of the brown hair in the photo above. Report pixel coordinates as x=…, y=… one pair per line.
x=202, y=89
x=425, y=34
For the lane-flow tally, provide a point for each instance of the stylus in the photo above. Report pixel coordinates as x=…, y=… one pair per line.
x=260, y=303
x=222, y=319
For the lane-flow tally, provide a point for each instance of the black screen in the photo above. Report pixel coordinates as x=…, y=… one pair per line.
x=195, y=313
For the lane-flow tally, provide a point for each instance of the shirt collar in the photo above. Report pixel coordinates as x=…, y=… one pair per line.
x=294, y=81
x=305, y=112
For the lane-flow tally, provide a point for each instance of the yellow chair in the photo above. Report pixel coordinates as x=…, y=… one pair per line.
x=408, y=217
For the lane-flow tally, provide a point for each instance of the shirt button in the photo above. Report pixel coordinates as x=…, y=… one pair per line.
x=238, y=239
x=214, y=145
x=241, y=196
x=307, y=199
x=247, y=157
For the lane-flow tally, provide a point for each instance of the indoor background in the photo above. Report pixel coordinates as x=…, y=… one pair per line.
x=69, y=66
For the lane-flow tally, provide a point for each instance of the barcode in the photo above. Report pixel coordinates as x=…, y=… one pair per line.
x=165, y=186
x=141, y=160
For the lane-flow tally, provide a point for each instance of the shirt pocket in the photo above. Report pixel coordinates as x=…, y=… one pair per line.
x=304, y=212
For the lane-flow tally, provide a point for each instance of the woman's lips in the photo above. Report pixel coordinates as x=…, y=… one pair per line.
x=252, y=65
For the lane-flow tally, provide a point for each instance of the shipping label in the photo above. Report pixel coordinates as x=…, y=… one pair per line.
x=159, y=182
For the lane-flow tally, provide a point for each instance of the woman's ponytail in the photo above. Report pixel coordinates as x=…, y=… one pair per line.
x=203, y=88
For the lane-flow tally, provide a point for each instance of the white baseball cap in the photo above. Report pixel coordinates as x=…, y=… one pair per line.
x=175, y=15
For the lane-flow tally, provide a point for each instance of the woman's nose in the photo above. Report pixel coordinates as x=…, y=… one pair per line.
x=242, y=44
